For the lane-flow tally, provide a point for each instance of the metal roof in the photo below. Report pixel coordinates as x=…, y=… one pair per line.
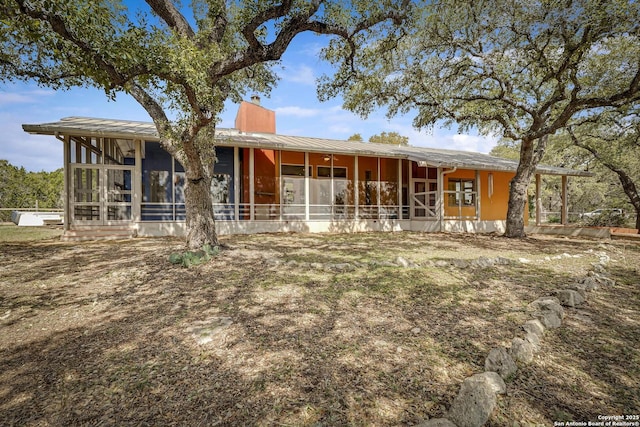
x=435, y=157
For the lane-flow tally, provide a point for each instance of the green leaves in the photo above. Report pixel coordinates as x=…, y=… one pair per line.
x=193, y=258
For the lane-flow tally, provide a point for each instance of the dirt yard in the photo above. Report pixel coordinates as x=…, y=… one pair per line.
x=318, y=330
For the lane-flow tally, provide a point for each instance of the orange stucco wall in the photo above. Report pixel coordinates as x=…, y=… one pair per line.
x=466, y=211
x=494, y=207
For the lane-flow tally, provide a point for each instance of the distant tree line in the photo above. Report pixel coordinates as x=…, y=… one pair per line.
x=392, y=138
x=23, y=189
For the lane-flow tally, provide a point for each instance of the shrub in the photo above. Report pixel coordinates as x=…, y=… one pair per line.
x=189, y=258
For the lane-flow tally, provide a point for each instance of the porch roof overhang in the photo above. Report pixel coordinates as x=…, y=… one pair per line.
x=433, y=157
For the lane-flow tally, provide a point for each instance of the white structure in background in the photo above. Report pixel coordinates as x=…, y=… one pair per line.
x=36, y=219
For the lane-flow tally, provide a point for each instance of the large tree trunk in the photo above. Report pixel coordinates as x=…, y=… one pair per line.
x=530, y=155
x=629, y=188
x=198, y=157
x=517, y=203
x=201, y=227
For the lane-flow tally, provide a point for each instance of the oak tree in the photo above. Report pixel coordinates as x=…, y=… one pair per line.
x=613, y=139
x=179, y=64
x=522, y=70
x=392, y=138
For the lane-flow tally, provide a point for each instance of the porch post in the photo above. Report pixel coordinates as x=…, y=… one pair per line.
x=136, y=209
x=440, y=197
x=564, y=212
x=379, y=190
x=236, y=183
x=410, y=189
x=279, y=195
x=252, y=196
x=67, y=181
x=399, y=189
x=306, y=185
x=331, y=194
x=356, y=189
x=538, y=201
x=478, y=196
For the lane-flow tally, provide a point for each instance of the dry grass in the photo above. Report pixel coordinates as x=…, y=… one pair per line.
x=102, y=333
x=9, y=232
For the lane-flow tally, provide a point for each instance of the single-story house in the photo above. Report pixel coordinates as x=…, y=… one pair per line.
x=119, y=181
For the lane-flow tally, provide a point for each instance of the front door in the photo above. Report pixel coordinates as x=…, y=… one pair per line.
x=101, y=195
x=423, y=199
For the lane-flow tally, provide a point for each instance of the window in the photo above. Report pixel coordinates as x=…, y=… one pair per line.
x=220, y=184
x=464, y=192
x=158, y=187
x=293, y=184
x=293, y=170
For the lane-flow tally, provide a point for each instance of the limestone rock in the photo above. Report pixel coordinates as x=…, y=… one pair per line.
x=602, y=279
x=437, y=422
x=534, y=340
x=501, y=362
x=569, y=297
x=548, y=318
x=534, y=326
x=590, y=283
x=483, y=262
x=503, y=261
x=547, y=304
x=460, y=263
x=521, y=350
x=474, y=403
x=402, y=262
x=342, y=267
x=493, y=379
x=580, y=288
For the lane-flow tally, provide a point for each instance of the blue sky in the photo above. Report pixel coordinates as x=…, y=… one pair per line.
x=298, y=112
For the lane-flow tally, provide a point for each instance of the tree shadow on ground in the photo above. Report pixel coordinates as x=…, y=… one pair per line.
x=387, y=346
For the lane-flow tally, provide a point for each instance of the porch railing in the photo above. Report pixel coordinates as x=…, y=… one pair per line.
x=273, y=212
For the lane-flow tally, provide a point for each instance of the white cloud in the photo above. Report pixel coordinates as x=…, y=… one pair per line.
x=311, y=49
x=34, y=152
x=24, y=97
x=296, y=111
x=341, y=129
x=299, y=73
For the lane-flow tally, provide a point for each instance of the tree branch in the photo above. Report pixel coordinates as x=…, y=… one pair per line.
x=256, y=52
x=166, y=10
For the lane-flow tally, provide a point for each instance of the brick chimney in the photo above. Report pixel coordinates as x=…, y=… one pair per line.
x=252, y=117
